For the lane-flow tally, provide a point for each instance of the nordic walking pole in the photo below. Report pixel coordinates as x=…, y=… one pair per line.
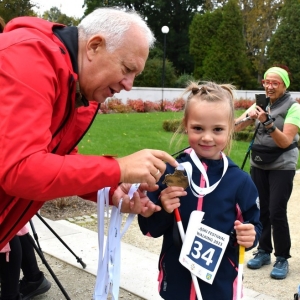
x=79, y=260
x=39, y=251
x=182, y=235
x=240, y=272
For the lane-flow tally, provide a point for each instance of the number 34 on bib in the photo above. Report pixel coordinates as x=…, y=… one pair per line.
x=203, y=248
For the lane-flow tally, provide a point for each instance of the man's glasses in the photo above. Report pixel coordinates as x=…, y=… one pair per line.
x=275, y=84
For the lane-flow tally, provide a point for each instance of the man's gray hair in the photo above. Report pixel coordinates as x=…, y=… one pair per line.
x=113, y=23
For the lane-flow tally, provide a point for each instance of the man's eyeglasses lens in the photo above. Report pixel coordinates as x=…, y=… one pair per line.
x=267, y=83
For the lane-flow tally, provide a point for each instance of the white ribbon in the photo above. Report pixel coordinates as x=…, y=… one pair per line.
x=196, y=190
x=108, y=273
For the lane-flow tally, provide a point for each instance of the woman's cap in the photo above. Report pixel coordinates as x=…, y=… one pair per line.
x=281, y=72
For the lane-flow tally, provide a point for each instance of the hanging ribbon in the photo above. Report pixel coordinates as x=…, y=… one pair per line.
x=109, y=261
x=196, y=190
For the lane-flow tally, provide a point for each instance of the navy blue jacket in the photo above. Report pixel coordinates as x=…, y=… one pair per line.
x=236, y=195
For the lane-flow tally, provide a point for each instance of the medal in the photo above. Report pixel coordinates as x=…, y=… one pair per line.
x=176, y=179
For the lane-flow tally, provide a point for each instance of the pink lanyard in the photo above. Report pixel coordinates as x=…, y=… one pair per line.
x=202, y=185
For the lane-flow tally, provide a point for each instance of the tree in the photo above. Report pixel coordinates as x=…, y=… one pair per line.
x=183, y=80
x=176, y=14
x=10, y=9
x=202, y=30
x=284, y=46
x=152, y=74
x=55, y=15
x=260, y=21
x=226, y=60
x=219, y=46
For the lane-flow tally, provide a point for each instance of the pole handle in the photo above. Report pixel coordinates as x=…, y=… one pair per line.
x=241, y=254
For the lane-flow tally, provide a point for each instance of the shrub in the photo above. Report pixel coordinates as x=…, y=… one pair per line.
x=171, y=125
x=111, y=105
x=152, y=74
x=116, y=105
x=243, y=103
x=136, y=105
x=179, y=103
x=152, y=106
x=245, y=136
x=103, y=108
x=176, y=105
x=183, y=80
x=169, y=106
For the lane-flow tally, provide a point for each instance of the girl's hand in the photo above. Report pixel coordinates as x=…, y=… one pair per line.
x=139, y=204
x=169, y=198
x=245, y=234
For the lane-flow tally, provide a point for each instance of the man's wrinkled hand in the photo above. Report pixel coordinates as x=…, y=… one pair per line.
x=145, y=166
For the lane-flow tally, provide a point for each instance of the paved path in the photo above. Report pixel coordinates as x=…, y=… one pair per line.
x=84, y=243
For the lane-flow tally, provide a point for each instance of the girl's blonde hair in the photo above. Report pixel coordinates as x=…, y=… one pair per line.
x=211, y=92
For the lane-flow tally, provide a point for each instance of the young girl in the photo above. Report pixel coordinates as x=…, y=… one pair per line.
x=231, y=208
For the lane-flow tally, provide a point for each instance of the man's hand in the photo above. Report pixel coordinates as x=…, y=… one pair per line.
x=139, y=204
x=145, y=166
x=245, y=234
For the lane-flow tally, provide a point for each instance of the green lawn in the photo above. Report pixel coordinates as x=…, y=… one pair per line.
x=122, y=134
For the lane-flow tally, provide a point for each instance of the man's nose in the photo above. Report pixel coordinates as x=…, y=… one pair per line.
x=127, y=82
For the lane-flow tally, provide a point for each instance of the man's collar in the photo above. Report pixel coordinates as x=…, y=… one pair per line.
x=69, y=37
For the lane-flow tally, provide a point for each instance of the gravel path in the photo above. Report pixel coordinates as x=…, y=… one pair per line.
x=79, y=284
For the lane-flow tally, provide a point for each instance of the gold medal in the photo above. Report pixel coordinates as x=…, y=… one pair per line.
x=176, y=179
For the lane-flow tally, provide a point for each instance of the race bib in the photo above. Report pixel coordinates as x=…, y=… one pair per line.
x=203, y=248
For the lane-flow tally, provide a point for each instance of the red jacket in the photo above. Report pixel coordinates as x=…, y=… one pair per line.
x=40, y=127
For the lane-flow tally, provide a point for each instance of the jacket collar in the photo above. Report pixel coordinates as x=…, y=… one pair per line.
x=69, y=37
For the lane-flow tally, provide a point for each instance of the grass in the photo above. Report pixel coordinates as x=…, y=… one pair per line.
x=122, y=134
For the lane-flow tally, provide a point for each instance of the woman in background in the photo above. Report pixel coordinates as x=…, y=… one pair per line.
x=273, y=166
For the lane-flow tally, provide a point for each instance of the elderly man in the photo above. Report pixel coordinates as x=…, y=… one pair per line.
x=52, y=80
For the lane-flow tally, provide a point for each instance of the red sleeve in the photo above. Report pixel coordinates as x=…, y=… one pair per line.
x=74, y=151
x=30, y=87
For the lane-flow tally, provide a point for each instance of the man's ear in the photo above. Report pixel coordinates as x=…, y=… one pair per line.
x=94, y=45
